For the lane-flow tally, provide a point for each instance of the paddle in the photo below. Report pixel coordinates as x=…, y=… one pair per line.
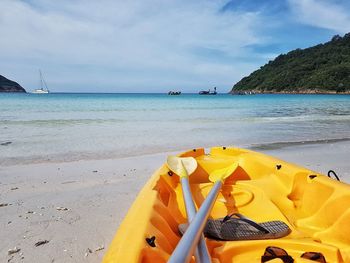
x=184, y=167
x=184, y=249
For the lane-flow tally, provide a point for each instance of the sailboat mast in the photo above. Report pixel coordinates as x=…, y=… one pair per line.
x=42, y=81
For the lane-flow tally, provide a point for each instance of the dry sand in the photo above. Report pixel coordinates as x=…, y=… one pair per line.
x=77, y=206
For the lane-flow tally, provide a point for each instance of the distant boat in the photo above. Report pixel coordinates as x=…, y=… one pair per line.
x=208, y=92
x=43, y=87
x=174, y=93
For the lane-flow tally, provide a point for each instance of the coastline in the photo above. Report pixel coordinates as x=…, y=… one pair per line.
x=306, y=92
x=81, y=157
x=78, y=206
x=281, y=145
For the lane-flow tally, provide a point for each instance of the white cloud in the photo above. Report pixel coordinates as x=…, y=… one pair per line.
x=323, y=14
x=125, y=45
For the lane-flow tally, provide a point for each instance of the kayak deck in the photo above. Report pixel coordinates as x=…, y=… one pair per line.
x=263, y=188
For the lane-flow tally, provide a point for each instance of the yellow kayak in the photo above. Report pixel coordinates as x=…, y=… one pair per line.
x=312, y=212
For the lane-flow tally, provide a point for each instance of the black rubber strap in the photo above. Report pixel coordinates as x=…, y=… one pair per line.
x=330, y=172
x=247, y=220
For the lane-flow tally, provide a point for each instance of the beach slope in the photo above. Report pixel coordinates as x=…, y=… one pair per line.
x=70, y=211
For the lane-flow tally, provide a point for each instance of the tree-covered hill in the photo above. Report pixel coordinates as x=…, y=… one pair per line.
x=7, y=85
x=324, y=68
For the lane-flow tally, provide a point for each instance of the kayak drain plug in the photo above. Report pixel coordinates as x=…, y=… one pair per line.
x=151, y=240
x=170, y=173
x=278, y=166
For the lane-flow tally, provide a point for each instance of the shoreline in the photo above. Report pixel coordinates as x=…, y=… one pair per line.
x=281, y=145
x=254, y=92
x=191, y=93
x=78, y=206
x=77, y=157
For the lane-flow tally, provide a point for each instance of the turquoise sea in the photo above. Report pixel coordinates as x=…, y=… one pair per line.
x=64, y=127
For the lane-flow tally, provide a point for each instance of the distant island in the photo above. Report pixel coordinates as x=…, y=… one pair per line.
x=324, y=68
x=7, y=85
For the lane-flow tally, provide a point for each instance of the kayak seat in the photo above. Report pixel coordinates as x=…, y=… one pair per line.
x=238, y=227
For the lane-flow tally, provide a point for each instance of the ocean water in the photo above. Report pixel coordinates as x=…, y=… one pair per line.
x=67, y=127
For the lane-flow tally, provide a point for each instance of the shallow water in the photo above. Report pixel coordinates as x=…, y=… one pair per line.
x=63, y=127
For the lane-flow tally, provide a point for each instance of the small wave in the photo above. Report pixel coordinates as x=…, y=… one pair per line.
x=303, y=118
x=61, y=122
x=280, y=145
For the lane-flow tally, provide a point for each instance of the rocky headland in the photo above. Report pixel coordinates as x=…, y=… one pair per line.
x=7, y=85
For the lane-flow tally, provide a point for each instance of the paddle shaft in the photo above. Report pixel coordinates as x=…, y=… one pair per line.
x=185, y=248
x=201, y=253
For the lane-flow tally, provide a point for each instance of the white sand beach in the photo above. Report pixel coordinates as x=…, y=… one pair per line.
x=73, y=209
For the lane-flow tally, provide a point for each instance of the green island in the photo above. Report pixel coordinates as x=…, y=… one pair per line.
x=324, y=68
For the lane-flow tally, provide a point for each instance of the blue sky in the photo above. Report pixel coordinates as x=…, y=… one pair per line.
x=156, y=45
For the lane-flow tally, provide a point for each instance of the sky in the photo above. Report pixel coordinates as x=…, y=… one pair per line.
x=156, y=45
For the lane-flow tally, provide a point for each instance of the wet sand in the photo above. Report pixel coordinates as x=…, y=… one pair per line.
x=72, y=210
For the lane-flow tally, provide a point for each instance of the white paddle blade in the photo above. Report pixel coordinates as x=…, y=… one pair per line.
x=182, y=166
x=190, y=164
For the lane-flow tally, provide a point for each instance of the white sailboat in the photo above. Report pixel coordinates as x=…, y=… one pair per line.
x=43, y=87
